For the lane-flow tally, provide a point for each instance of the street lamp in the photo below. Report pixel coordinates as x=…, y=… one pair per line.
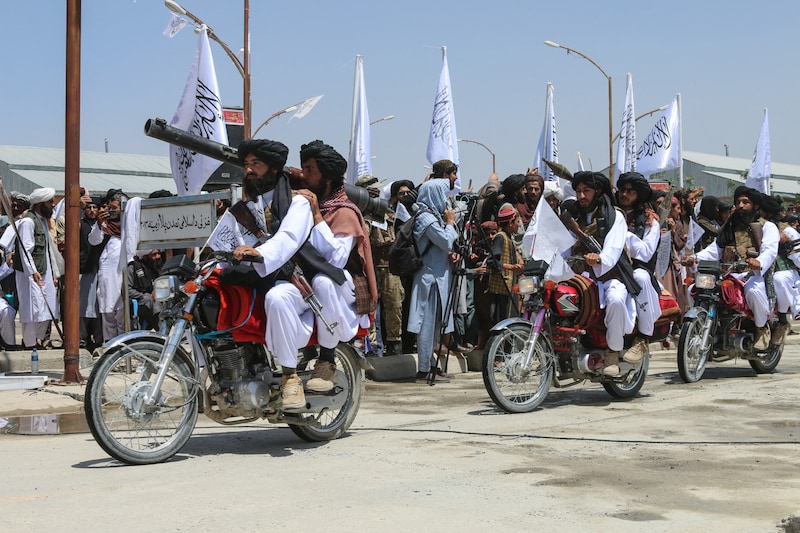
x=610, y=116
x=387, y=117
x=242, y=66
x=487, y=149
x=277, y=114
x=656, y=110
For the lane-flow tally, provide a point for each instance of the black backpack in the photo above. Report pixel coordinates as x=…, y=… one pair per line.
x=404, y=258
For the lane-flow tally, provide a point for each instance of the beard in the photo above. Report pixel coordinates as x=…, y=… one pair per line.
x=46, y=211
x=743, y=218
x=256, y=186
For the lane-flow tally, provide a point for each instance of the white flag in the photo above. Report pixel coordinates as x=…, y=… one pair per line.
x=580, y=163
x=227, y=234
x=442, y=142
x=626, y=147
x=660, y=150
x=547, y=238
x=174, y=25
x=199, y=112
x=548, y=145
x=761, y=169
x=694, y=234
x=359, y=163
x=305, y=107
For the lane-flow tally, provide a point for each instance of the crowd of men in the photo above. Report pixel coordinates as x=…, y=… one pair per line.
x=469, y=246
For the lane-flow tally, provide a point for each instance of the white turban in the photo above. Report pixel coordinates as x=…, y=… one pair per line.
x=42, y=195
x=551, y=188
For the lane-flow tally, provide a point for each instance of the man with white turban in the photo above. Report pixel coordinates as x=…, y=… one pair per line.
x=37, y=264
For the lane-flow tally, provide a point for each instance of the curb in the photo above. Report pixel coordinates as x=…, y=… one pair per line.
x=49, y=360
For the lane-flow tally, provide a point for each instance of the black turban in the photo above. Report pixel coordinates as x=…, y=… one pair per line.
x=709, y=207
x=330, y=162
x=512, y=184
x=770, y=205
x=643, y=191
x=400, y=183
x=273, y=153
x=595, y=180
x=743, y=190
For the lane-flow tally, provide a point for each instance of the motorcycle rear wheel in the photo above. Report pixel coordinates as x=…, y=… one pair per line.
x=768, y=364
x=332, y=424
x=691, y=359
x=119, y=421
x=513, y=388
x=632, y=388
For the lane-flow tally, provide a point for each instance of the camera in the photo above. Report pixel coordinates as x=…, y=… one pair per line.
x=374, y=208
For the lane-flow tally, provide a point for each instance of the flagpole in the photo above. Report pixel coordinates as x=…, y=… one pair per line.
x=355, y=103
x=680, y=141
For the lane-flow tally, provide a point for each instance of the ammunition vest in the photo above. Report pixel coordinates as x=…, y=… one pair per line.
x=743, y=242
x=39, y=252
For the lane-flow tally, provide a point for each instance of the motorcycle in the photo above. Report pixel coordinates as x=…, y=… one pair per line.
x=562, y=339
x=720, y=326
x=145, y=392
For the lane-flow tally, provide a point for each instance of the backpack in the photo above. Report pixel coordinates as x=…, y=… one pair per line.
x=404, y=258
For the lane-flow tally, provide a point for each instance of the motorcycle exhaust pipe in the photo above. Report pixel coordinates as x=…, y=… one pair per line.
x=589, y=363
x=743, y=342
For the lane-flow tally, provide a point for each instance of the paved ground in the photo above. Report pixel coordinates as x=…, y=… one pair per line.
x=718, y=455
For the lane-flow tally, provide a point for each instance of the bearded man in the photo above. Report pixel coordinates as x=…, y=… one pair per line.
x=38, y=269
x=320, y=230
x=644, y=233
x=596, y=216
x=738, y=239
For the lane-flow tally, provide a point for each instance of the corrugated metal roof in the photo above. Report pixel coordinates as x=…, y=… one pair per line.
x=136, y=175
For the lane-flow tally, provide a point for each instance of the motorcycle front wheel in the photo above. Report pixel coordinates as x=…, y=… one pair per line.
x=769, y=362
x=633, y=386
x=122, y=424
x=512, y=386
x=332, y=423
x=691, y=358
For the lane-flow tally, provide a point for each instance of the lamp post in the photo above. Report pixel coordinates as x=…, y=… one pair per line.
x=610, y=116
x=387, y=117
x=242, y=66
x=656, y=110
x=487, y=149
x=277, y=114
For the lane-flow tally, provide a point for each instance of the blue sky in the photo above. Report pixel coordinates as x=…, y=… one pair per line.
x=728, y=59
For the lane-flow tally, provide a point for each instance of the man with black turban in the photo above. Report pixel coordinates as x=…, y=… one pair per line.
x=595, y=214
x=323, y=239
x=644, y=233
x=738, y=239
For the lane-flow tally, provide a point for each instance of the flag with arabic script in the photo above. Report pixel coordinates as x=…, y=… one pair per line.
x=199, y=112
x=442, y=141
x=359, y=163
x=626, y=146
x=661, y=149
x=761, y=168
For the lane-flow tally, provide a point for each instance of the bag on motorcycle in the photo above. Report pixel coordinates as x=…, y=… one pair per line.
x=733, y=295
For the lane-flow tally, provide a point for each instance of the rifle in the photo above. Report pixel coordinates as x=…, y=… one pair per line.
x=623, y=268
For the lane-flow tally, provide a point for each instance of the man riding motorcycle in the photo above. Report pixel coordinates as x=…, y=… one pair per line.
x=786, y=265
x=610, y=267
x=633, y=196
x=748, y=237
x=319, y=236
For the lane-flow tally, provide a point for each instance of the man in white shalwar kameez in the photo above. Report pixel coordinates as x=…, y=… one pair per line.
x=107, y=231
x=38, y=269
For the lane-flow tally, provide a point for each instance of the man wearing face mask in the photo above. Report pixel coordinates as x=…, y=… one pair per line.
x=107, y=234
x=37, y=269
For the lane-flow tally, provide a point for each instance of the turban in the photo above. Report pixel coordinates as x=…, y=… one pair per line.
x=551, y=188
x=442, y=166
x=395, y=188
x=643, y=191
x=770, y=205
x=19, y=197
x=595, y=180
x=489, y=225
x=96, y=200
x=512, y=184
x=44, y=194
x=709, y=207
x=506, y=214
x=743, y=190
x=330, y=162
x=273, y=153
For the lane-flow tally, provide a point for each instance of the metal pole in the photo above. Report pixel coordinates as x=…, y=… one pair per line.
x=247, y=112
x=610, y=135
x=72, y=195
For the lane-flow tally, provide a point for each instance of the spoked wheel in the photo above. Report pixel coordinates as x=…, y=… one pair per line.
x=332, y=423
x=514, y=387
x=122, y=422
x=632, y=386
x=770, y=360
x=692, y=358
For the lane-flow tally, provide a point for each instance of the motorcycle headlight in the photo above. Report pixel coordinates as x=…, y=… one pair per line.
x=528, y=284
x=165, y=288
x=705, y=281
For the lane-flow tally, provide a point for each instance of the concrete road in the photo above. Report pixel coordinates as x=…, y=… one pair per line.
x=719, y=455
